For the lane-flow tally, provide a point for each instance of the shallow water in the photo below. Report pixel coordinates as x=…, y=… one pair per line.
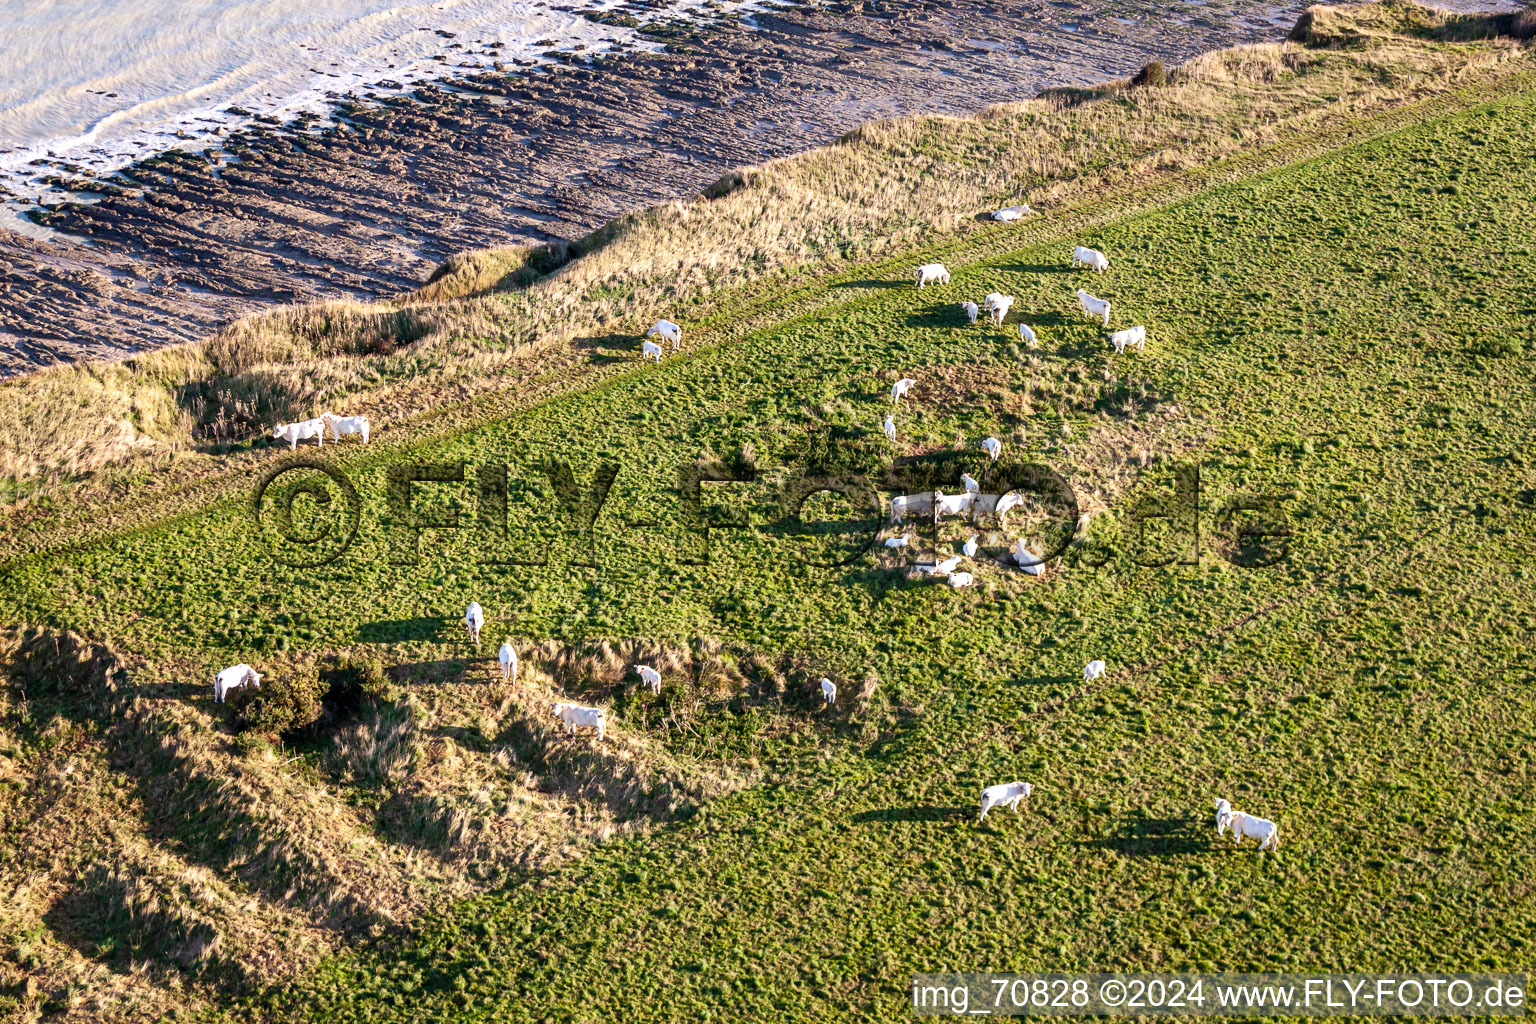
x=98, y=83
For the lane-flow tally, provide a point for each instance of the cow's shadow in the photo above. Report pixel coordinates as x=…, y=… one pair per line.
x=918, y=813
x=870, y=283
x=611, y=348
x=1151, y=837
x=433, y=629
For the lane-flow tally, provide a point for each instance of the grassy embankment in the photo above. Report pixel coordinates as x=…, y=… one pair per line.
x=1329, y=324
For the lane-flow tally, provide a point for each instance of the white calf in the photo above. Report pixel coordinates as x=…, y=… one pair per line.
x=1028, y=560
x=650, y=677
x=303, y=430
x=234, y=678
x=932, y=273
x=1254, y=827
x=999, y=309
x=1007, y=795
x=667, y=331
x=1082, y=256
x=1027, y=336
x=1094, y=307
x=971, y=311
x=971, y=486
x=1011, y=213
x=897, y=542
x=508, y=658
x=828, y=691
x=971, y=547
x=575, y=714
x=961, y=579
x=1223, y=816
x=890, y=428
x=650, y=350
x=346, y=425
x=1092, y=671
x=474, y=619
x=901, y=387
x=993, y=447
x=1133, y=337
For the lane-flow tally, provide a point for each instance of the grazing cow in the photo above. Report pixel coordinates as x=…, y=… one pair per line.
x=1082, y=256
x=1223, y=816
x=1027, y=336
x=828, y=691
x=999, y=309
x=961, y=579
x=346, y=425
x=1011, y=213
x=1009, y=794
x=901, y=387
x=1095, y=308
x=650, y=350
x=303, y=430
x=971, y=311
x=1027, y=559
x=1254, y=827
x=234, y=678
x=667, y=331
x=971, y=548
x=890, y=428
x=913, y=503
x=474, y=619
x=971, y=486
x=1133, y=337
x=508, y=658
x=993, y=447
x=650, y=677
x=931, y=273
x=1092, y=671
x=575, y=714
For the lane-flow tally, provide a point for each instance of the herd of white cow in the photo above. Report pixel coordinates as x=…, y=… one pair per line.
x=972, y=502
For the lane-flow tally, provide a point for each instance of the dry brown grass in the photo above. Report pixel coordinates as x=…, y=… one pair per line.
x=885, y=188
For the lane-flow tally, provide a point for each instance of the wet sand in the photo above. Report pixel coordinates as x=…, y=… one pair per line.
x=368, y=207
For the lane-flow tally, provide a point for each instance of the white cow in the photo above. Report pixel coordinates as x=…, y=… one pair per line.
x=650, y=350
x=1028, y=560
x=1009, y=794
x=1027, y=336
x=999, y=309
x=1133, y=337
x=913, y=503
x=901, y=387
x=992, y=299
x=474, y=619
x=1011, y=213
x=943, y=568
x=898, y=542
x=931, y=273
x=828, y=691
x=971, y=547
x=346, y=425
x=1254, y=827
x=961, y=579
x=1223, y=816
x=971, y=486
x=650, y=677
x=508, y=658
x=1094, y=307
x=1007, y=503
x=667, y=331
x=1082, y=256
x=890, y=428
x=234, y=678
x=575, y=714
x=971, y=311
x=1093, y=670
x=303, y=430
x=993, y=447
x=951, y=504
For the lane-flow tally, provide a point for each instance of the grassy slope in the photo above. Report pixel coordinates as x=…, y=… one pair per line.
x=1314, y=332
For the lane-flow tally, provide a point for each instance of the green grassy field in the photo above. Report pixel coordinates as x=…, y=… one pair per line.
x=1348, y=335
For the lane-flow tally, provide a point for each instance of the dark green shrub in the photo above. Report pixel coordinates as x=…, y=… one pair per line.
x=281, y=705
x=1154, y=73
x=353, y=685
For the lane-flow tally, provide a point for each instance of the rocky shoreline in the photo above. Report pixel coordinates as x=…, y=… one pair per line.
x=368, y=206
